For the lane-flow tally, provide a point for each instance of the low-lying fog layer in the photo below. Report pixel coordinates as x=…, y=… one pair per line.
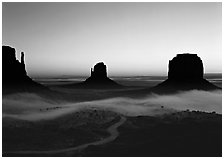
x=32, y=107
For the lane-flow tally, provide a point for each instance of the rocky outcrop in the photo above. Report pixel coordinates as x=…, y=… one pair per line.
x=14, y=75
x=185, y=66
x=99, y=71
x=97, y=80
x=185, y=73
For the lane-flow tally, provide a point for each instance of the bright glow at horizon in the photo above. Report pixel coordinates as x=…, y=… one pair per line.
x=130, y=38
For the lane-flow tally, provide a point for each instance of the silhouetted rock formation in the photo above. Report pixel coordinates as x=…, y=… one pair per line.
x=98, y=79
x=99, y=71
x=185, y=66
x=14, y=75
x=185, y=73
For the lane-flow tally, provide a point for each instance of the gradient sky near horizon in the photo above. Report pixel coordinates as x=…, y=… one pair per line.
x=131, y=38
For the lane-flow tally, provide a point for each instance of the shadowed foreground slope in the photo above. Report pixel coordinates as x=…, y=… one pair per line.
x=83, y=133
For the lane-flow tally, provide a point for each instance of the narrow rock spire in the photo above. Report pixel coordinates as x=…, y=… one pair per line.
x=23, y=63
x=22, y=58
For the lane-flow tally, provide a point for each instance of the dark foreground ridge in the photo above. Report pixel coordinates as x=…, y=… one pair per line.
x=14, y=75
x=98, y=79
x=104, y=133
x=185, y=73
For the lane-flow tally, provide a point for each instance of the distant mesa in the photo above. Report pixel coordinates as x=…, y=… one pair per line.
x=185, y=73
x=14, y=75
x=186, y=66
x=99, y=71
x=98, y=79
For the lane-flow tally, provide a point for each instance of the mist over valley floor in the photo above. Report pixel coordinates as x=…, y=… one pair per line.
x=60, y=128
x=19, y=105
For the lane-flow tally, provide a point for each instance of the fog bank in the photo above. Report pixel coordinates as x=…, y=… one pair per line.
x=32, y=107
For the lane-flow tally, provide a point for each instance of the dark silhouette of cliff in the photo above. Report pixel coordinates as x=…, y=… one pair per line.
x=185, y=67
x=185, y=73
x=14, y=75
x=97, y=80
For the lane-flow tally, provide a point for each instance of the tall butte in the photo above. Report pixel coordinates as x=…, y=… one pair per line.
x=99, y=71
x=14, y=75
x=97, y=80
x=186, y=72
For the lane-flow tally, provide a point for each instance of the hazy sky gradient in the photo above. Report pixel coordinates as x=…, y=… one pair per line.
x=131, y=38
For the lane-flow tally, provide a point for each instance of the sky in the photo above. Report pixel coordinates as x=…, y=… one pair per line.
x=130, y=38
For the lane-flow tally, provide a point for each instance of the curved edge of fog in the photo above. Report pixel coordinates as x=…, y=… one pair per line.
x=32, y=107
